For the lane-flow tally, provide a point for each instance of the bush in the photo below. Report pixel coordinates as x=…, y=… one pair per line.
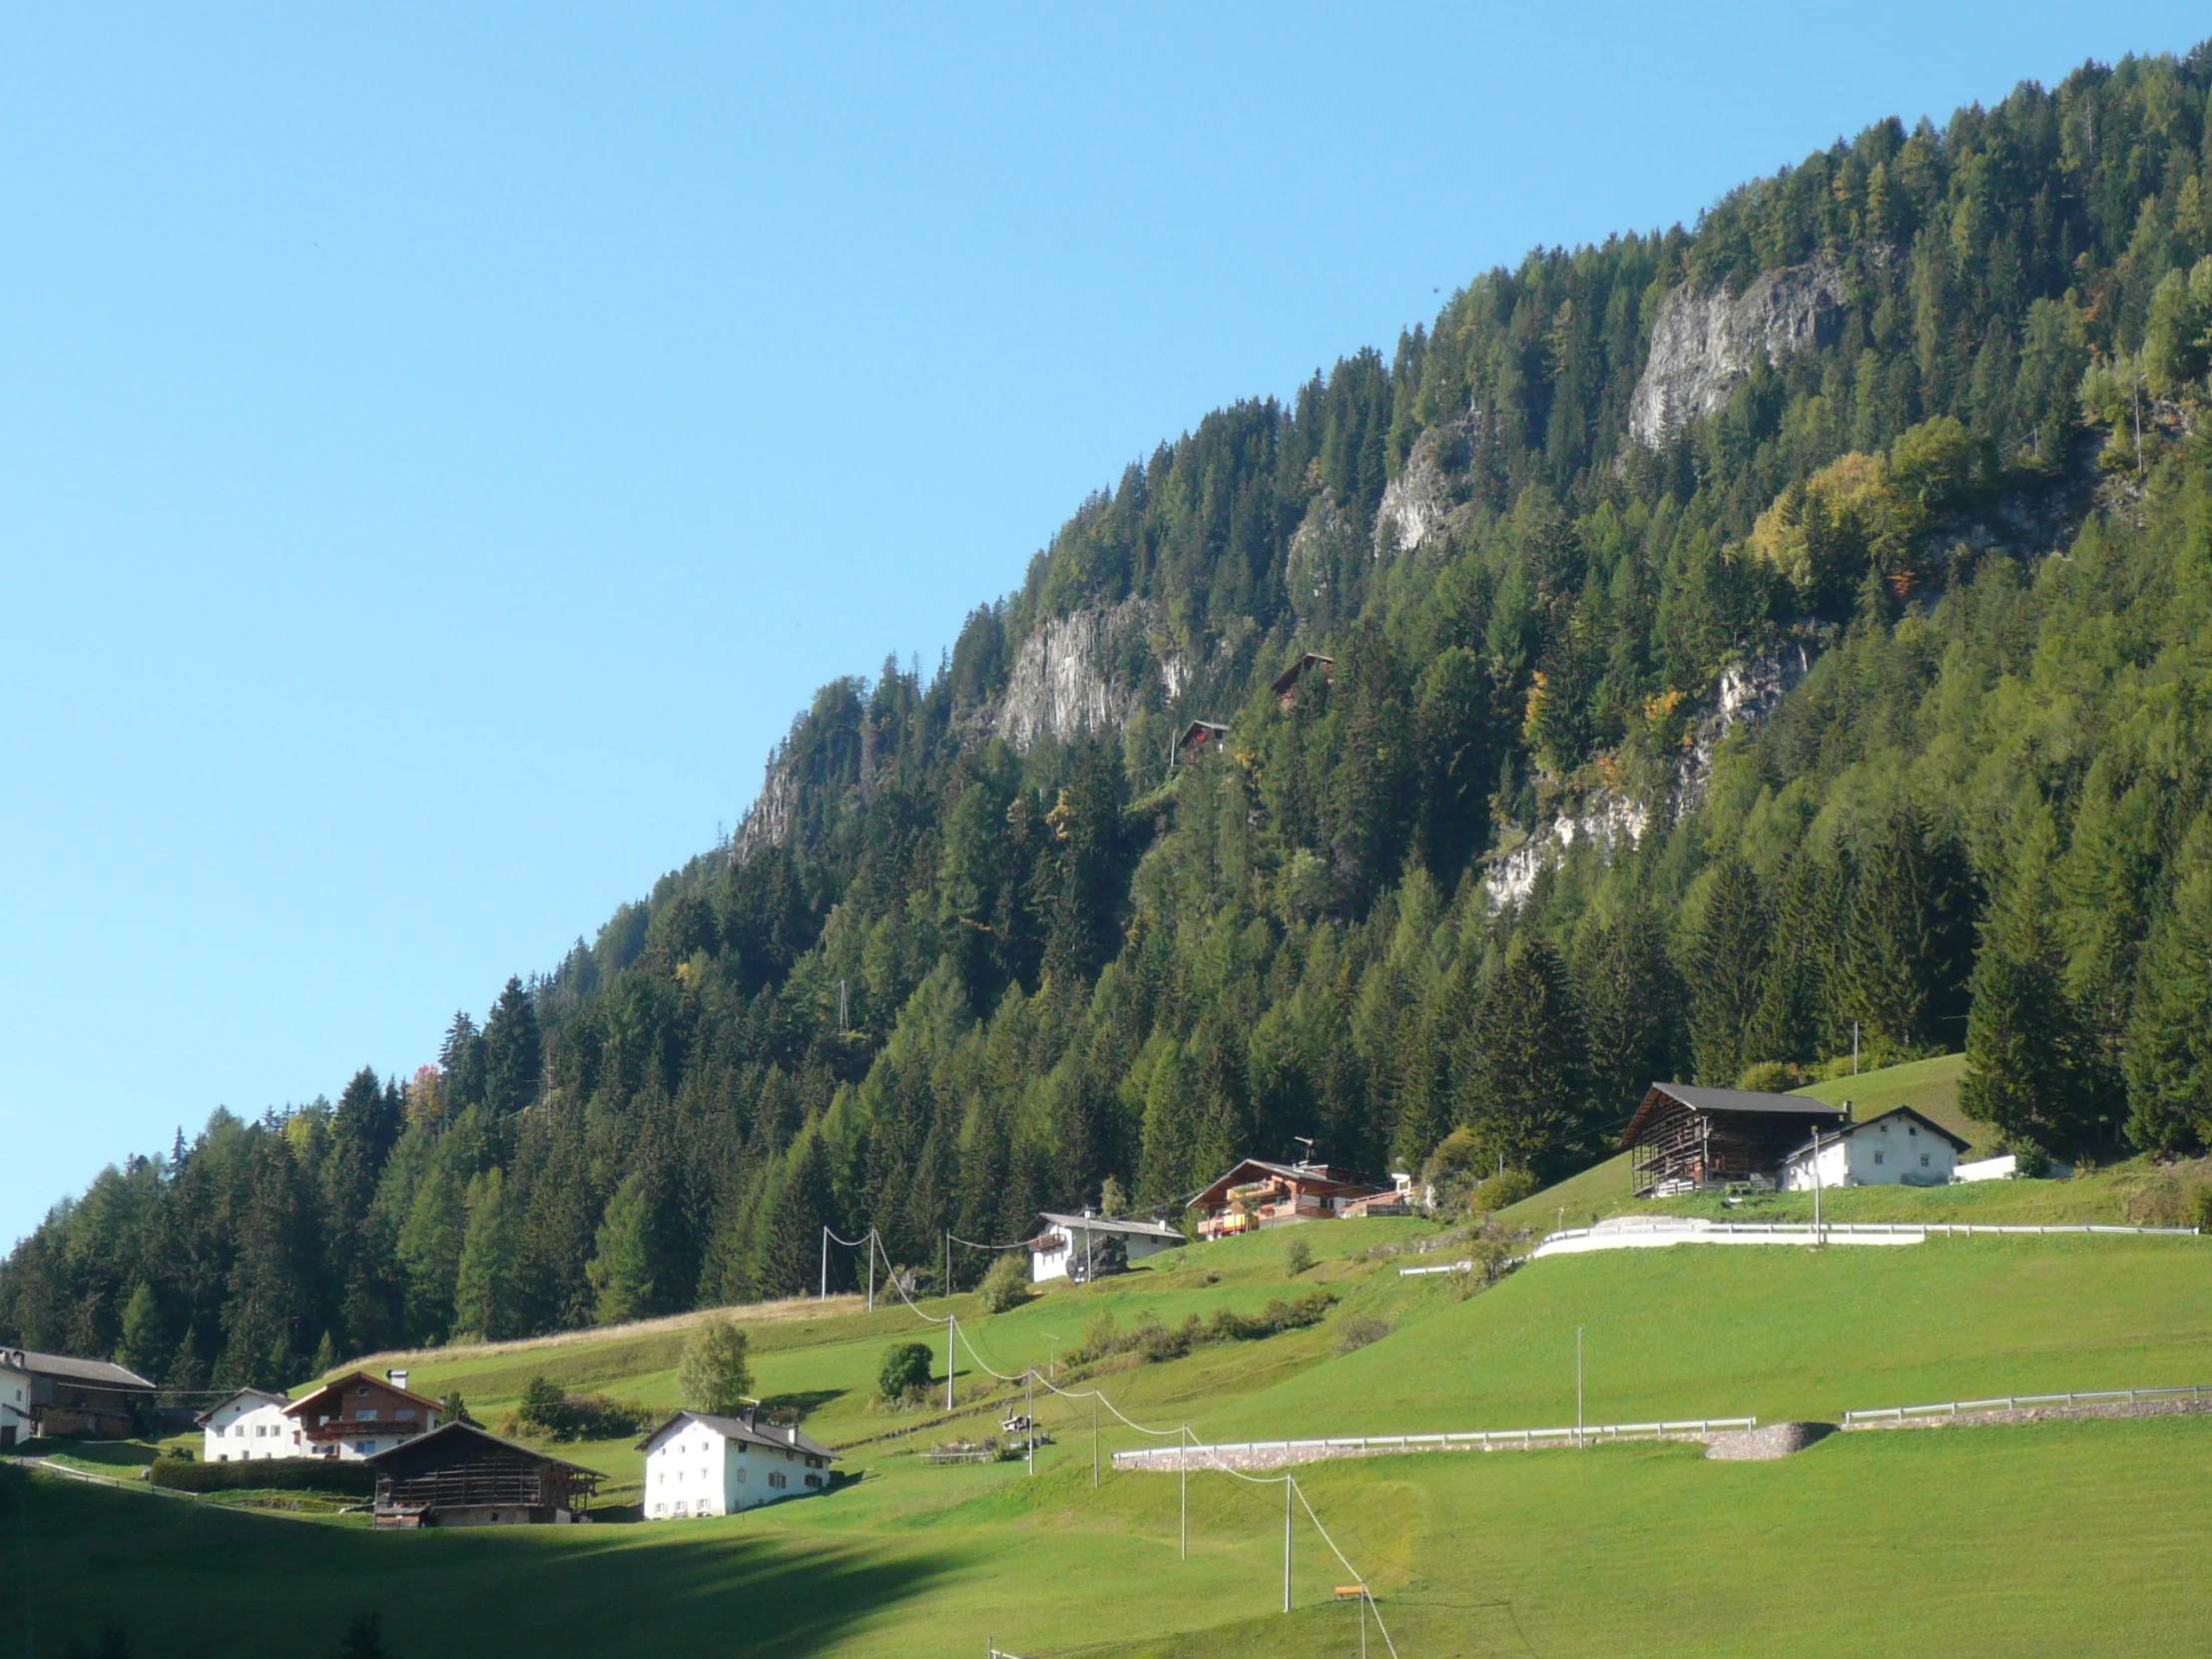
x=1357, y=1333
x=550, y=1415
x=2200, y=1205
x=1502, y=1191
x=1298, y=1258
x=906, y=1371
x=716, y=1371
x=281, y=1475
x=1007, y=1286
x=1150, y=1340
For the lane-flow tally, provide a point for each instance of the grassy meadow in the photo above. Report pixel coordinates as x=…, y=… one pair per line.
x=2076, y=1538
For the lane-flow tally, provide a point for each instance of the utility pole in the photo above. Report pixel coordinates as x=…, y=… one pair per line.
x=1094, y=1440
x=1578, y=1384
x=949, y=1261
x=1183, y=1467
x=1289, y=1488
x=1854, y=1048
x=1029, y=1379
x=951, y=1329
x=872, y=1269
x=825, y=1265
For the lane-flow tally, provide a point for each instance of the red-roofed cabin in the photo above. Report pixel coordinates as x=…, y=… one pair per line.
x=1258, y=1194
x=1198, y=737
x=360, y=1415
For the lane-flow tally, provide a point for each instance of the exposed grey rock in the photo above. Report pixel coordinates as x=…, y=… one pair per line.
x=1419, y=501
x=767, y=823
x=1748, y=692
x=1324, y=538
x=1064, y=680
x=1704, y=345
x=1771, y=1440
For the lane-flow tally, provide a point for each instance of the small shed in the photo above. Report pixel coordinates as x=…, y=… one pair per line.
x=1258, y=1194
x=1286, y=683
x=460, y=1475
x=1900, y=1148
x=1089, y=1246
x=1685, y=1138
x=1198, y=737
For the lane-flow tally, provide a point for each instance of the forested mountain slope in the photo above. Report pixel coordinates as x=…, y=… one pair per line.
x=1738, y=633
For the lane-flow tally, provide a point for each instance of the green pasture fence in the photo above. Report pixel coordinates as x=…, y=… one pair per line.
x=1951, y=1410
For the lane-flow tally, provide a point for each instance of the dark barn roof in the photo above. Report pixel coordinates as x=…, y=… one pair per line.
x=460, y=1442
x=1720, y=1102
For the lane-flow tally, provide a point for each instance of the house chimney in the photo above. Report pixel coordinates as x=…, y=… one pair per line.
x=397, y=1378
x=1090, y=1212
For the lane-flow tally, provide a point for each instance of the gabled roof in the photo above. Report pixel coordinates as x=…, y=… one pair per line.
x=458, y=1439
x=340, y=1383
x=1307, y=1175
x=1860, y=1125
x=1201, y=730
x=1745, y=1101
x=776, y=1437
x=98, y=1372
x=1047, y=1219
x=1297, y=671
x=262, y=1395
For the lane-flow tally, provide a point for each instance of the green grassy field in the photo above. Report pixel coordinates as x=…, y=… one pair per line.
x=2075, y=1537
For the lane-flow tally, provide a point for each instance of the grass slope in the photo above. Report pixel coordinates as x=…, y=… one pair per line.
x=2071, y=1538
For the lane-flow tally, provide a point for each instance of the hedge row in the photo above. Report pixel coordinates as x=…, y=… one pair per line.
x=284, y=1474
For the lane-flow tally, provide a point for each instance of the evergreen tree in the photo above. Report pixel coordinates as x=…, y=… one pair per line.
x=1527, y=1091
x=1911, y=920
x=512, y=1049
x=1724, y=960
x=487, y=1290
x=2024, y=1072
x=621, y=1264
x=790, y=1249
x=142, y=1349
x=2170, y=1040
x=1630, y=1003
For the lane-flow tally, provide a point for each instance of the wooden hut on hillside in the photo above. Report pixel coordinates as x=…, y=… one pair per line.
x=459, y=1476
x=1689, y=1139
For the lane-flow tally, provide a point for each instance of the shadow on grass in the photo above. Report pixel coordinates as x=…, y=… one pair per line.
x=121, y=1455
x=188, y=1579
x=803, y=1401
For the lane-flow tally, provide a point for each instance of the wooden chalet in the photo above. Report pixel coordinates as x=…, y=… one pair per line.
x=459, y=1476
x=358, y=1415
x=1198, y=737
x=1689, y=1139
x=64, y=1396
x=1286, y=683
x=1258, y=1194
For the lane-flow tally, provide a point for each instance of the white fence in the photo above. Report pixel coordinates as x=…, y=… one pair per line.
x=1953, y=1409
x=1645, y=1231
x=1364, y=1445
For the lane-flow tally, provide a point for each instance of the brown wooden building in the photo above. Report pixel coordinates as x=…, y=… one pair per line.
x=459, y=1476
x=1198, y=737
x=64, y=1396
x=1286, y=683
x=1685, y=1138
x=360, y=1415
x=1258, y=1194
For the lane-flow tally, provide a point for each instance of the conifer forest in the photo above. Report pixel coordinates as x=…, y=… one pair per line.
x=1728, y=644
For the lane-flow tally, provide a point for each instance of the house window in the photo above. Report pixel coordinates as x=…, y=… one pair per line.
x=740, y=1474
x=1924, y=1160
x=1878, y=1157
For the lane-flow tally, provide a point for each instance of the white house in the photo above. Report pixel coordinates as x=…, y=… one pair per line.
x=698, y=1465
x=1900, y=1147
x=248, y=1426
x=1085, y=1245
x=15, y=1399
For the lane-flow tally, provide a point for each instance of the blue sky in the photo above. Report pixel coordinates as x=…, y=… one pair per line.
x=440, y=449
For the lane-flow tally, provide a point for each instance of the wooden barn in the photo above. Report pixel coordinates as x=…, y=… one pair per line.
x=459, y=1476
x=60, y=1394
x=1689, y=1139
x=1286, y=683
x=1198, y=737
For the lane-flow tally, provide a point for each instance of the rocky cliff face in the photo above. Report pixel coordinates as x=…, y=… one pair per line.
x=1419, y=501
x=1704, y=345
x=1748, y=693
x=1067, y=678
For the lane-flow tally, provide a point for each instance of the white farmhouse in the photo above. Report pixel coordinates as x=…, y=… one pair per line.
x=248, y=1426
x=15, y=1399
x=698, y=1465
x=1900, y=1147
x=1084, y=1246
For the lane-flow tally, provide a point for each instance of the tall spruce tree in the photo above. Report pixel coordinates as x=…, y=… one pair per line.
x=1527, y=1094
x=2024, y=1064
x=2169, y=1039
x=1911, y=935
x=1630, y=1002
x=1724, y=960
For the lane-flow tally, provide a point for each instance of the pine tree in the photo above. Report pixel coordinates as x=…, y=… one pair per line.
x=790, y=1249
x=1911, y=935
x=1630, y=1003
x=143, y=1347
x=512, y=1051
x=1527, y=1088
x=1724, y=960
x=2170, y=1040
x=621, y=1264
x=487, y=1283
x=2024, y=1072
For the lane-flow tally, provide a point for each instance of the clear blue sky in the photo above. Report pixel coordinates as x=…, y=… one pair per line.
x=441, y=447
